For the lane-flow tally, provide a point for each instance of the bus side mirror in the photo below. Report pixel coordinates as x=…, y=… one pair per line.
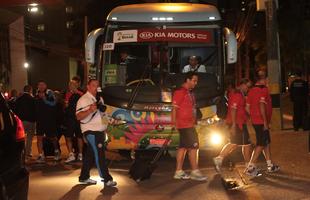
x=90, y=45
x=231, y=46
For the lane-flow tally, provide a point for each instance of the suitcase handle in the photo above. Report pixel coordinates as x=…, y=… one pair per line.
x=163, y=148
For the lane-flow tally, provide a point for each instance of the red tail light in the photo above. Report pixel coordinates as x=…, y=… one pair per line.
x=20, y=132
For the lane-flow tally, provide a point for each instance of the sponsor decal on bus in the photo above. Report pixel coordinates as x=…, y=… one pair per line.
x=169, y=35
x=175, y=35
x=125, y=36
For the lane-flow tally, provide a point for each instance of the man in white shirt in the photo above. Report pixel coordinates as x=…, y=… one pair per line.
x=194, y=65
x=93, y=129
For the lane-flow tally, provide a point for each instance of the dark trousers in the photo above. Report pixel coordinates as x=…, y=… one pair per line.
x=95, y=150
x=300, y=112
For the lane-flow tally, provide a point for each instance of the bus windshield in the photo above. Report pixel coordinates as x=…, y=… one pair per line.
x=139, y=51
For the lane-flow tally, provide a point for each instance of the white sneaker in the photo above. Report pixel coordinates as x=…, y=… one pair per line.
x=253, y=172
x=88, y=181
x=198, y=176
x=110, y=183
x=40, y=159
x=80, y=157
x=273, y=168
x=57, y=156
x=71, y=158
x=218, y=163
x=181, y=175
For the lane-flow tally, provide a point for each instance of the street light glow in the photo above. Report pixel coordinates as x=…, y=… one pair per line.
x=26, y=65
x=33, y=9
x=33, y=4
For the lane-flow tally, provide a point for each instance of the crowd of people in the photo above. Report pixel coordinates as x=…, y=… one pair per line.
x=48, y=115
x=244, y=103
x=254, y=104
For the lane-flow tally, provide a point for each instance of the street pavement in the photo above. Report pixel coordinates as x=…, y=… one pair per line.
x=58, y=181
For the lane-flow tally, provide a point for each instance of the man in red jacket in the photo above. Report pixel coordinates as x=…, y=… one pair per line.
x=184, y=118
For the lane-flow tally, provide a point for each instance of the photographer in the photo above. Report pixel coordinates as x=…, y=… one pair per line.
x=89, y=112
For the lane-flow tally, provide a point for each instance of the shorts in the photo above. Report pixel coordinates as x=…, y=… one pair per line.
x=262, y=136
x=241, y=137
x=73, y=129
x=29, y=127
x=46, y=129
x=188, y=138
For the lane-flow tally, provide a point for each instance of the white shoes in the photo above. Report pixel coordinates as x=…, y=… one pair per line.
x=71, y=158
x=80, y=157
x=198, y=176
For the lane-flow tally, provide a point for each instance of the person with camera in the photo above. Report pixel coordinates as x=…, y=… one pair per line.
x=90, y=116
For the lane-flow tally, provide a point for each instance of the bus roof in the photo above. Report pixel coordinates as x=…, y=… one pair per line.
x=165, y=12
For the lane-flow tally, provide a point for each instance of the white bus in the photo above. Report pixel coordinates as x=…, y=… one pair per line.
x=159, y=38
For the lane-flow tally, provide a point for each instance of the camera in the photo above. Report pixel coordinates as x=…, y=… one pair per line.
x=101, y=107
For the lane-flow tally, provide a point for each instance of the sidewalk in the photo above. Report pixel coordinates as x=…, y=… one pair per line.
x=290, y=150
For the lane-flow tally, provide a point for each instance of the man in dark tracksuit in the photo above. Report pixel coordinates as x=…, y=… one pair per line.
x=299, y=95
x=46, y=120
x=25, y=106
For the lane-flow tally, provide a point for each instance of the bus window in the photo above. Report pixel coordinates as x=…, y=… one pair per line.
x=128, y=63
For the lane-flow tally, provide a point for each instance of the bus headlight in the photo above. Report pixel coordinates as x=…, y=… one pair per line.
x=216, y=138
x=209, y=121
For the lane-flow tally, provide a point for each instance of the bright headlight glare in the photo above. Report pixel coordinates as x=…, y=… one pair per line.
x=216, y=138
x=210, y=120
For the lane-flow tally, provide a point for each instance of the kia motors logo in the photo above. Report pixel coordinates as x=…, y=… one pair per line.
x=146, y=35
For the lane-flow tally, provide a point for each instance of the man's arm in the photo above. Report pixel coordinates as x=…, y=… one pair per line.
x=233, y=102
x=83, y=114
x=233, y=120
x=233, y=115
x=173, y=115
x=262, y=109
x=50, y=98
x=176, y=101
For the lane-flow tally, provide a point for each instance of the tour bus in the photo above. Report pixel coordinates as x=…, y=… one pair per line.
x=158, y=39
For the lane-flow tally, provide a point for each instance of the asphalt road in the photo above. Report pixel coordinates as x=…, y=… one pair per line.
x=57, y=181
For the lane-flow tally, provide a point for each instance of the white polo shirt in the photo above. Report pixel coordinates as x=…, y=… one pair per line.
x=188, y=68
x=90, y=123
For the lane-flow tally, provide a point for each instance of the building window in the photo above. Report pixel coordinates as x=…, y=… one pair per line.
x=41, y=27
x=69, y=9
x=69, y=24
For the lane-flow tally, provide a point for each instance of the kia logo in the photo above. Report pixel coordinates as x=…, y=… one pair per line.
x=146, y=35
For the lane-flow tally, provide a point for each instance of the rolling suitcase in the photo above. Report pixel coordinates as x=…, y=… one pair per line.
x=142, y=169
